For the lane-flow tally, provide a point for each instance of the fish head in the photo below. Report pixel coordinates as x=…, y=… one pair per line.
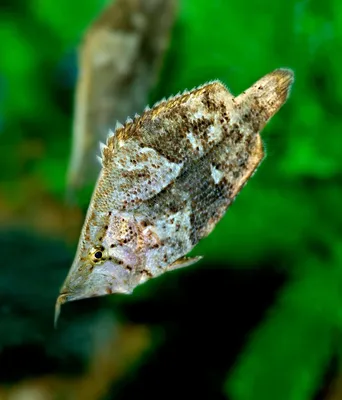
x=105, y=261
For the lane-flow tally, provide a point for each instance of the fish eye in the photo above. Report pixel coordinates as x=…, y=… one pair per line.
x=98, y=254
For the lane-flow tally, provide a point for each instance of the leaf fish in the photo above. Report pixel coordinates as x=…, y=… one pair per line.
x=119, y=62
x=168, y=176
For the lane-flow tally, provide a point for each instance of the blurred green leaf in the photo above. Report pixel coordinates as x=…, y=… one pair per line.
x=287, y=356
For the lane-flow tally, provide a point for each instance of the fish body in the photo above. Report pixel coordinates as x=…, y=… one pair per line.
x=119, y=63
x=168, y=176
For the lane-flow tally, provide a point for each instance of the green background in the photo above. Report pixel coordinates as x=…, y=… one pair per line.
x=289, y=214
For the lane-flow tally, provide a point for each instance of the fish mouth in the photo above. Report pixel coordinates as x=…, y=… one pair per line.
x=61, y=299
x=64, y=297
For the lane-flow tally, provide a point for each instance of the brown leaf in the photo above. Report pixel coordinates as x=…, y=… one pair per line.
x=110, y=361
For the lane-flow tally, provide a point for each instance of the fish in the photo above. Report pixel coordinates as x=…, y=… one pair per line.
x=119, y=61
x=167, y=178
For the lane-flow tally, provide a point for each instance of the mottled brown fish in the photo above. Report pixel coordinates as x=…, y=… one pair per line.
x=167, y=178
x=119, y=62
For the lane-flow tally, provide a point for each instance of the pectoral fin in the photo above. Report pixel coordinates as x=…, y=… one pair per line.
x=183, y=262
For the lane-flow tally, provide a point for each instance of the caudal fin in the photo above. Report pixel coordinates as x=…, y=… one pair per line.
x=268, y=94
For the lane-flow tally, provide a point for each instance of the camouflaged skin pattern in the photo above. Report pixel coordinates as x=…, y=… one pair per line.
x=167, y=178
